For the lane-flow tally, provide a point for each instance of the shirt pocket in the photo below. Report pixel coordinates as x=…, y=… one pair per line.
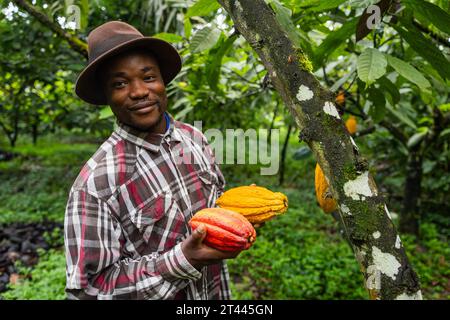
x=204, y=194
x=160, y=222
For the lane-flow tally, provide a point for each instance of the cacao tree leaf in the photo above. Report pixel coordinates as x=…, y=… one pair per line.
x=187, y=28
x=213, y=69
x=416, y=138
x=205, y=39
x=105, y=113
x=445, y=132
x=320, y=5
x=425, y=48
x=401, y=116
x=378, y=109
x=333, y=41
x=169, y=37
x=184, y=112
x=371, y=65
x=389, y=87
x=408, y=72
x=444, y=107
x=202, y=8
x=431, y=13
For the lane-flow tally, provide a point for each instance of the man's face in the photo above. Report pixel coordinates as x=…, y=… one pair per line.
x=135, y=90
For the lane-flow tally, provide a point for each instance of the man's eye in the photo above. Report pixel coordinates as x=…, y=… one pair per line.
x=149, y=78
x=119, y=84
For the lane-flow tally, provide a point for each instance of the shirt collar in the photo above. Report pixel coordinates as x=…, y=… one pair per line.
x=150, y=141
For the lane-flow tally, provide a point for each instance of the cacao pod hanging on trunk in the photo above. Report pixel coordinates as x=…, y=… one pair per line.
x=323, y=193
x=257, y=204
x=226, y=230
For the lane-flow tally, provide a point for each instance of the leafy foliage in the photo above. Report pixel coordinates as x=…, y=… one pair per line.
x=44, y=282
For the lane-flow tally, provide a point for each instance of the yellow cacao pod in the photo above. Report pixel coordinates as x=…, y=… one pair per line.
x=323, y=193
x=351, y=125
x=257, y=204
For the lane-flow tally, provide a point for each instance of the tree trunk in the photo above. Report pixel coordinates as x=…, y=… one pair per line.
x=34, y=129
x=283, y=155
x=377, y=247
x=272, y=123
x=410, y=214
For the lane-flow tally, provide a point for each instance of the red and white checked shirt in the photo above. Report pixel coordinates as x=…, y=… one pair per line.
x=127, y=213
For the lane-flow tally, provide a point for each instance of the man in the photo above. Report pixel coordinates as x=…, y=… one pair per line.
x=126, y=231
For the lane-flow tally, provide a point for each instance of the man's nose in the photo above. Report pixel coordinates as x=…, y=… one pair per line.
x=138, y=90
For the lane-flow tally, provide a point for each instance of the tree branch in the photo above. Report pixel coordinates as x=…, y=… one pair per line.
x=75, y=43
x=432, y=34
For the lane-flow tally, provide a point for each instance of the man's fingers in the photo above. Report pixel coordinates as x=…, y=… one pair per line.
x=199, y=234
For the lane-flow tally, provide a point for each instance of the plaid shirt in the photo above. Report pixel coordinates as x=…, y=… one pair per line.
x=127, y=214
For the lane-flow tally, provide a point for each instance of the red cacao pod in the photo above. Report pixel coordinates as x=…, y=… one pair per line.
x=226, y=230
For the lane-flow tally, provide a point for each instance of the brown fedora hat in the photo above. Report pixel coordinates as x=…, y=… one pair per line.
x=113, y=38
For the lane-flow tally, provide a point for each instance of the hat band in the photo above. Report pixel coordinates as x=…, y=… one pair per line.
x=110, y=43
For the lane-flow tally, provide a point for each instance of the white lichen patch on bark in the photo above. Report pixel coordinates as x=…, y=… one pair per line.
x=373, y=281
x=359, y=188
x=330, y=109
x=376, y=234
x=387, y=211
x=398, y=242
x=345, y=209
x=304, y=93
x=415, y=296
x=385, y=262
x=274, y=74
x=238, y=6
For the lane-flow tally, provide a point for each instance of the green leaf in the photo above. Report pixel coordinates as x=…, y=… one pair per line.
x=371, y=65
x=105, y=113
x=378, y=109
x=202, y=8
x=431, y=13
x=320, y=5
x=402, y=117
x=409, y=72
x=187, y=28
x=444, y=107
x=184, y=112
x=426, y=49
x=205, y=39
x=213, y=69
x=389, y=87
x=333, y=41
x=169, y=37
x=416, y=138
x=444, y=132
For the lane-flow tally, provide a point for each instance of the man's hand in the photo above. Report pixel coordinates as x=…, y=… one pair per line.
x=199, y=254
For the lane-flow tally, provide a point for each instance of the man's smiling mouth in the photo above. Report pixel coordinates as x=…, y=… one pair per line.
x=143, y=107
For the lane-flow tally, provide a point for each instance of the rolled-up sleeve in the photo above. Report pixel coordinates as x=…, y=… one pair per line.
x=95, y=268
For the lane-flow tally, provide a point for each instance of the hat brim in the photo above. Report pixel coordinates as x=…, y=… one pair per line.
x=88, y=86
